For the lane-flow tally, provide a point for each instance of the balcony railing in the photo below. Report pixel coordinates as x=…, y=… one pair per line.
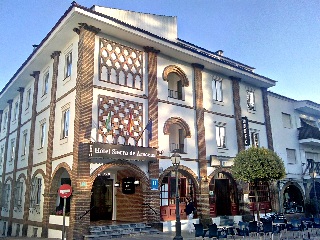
x=175, y=94
x=309, y=132
x=179, y=148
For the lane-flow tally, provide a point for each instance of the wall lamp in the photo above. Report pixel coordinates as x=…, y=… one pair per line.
x=117, y=184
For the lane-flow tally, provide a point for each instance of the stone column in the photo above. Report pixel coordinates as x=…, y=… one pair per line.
x=35, y=74
x=80, y=177
x=267, y=117
x=6, y=145
x=237, y=111
x=152, y=197
x=16, y=152
x=47, y=181
x=201, y=142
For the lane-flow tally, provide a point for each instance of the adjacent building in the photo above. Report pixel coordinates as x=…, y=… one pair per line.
x=104, y=101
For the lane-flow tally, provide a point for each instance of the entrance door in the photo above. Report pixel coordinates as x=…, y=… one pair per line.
x=101, y=199
x=222, y=197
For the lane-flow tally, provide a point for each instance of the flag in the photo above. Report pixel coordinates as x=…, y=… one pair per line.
x=130, y=124
x=149, y=128
x=108, y=122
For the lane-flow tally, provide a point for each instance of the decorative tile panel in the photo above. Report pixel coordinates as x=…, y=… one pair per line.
x=120, y=64
x=120, y=111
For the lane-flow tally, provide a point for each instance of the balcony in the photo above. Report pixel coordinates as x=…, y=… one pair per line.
x=175, y=94
x=309, y=135
x=178, y=148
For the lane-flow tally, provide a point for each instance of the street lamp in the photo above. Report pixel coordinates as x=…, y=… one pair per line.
x=175, y=159
x=313, y=175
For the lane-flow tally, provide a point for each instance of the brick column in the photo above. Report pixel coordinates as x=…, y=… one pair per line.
x=152, y=197
x=47, y=181
x=201, y=141
x=237, y=111
x=35, y=74
x=80, y=200
x=6, y=148
x=267, y=117
x=16, y=152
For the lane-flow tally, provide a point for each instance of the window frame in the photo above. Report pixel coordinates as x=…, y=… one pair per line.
x=36, y=188
x=221, y=139
x=217, y=90
x=251, y=102
x=12, y=150
x=42, y=134
x=5, y=120
x=24, y=143
x=28, y=98
x=15, y=111
x=255, y=139
x=65, y=123
x=293, y=151
x=68, y=64
x=285, y=121
x=18, y=194
x=45, y=87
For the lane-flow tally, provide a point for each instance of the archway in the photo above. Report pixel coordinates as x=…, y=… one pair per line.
x=223, y=195
x=292, y=199
x=187, y=187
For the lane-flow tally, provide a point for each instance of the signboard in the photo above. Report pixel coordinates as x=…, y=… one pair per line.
x=65, y=191
x=128, y=186
x=127, y=152
x=245, y=131
x=154, y=184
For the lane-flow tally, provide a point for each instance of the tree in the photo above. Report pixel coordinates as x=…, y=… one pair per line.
x=258, y=164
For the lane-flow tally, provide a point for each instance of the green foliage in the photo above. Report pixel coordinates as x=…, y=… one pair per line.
x=258, y=164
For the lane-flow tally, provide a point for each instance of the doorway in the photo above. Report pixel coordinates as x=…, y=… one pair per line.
x=223, y=197
x=102, y=199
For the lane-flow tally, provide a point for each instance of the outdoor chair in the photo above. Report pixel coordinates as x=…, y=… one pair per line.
x=213, y=231
x=267, y=229
x=295, y=226
x=242, y=229
x=199, y=231
x=253, y=229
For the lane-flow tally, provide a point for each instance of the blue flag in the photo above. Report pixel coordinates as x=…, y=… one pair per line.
x=149, y=128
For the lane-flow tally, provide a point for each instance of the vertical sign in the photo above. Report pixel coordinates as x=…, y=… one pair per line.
x=154, y=184
x=245, y=131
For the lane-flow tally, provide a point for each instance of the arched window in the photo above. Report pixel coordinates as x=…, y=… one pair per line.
x=177, y=80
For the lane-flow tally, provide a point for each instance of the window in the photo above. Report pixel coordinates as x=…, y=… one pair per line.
x=65, y=123
x=5, y=119
x=68, y=65
x=42, y=134
x=15, y=111
x=12, y=150
x=291, y=156
x=45, y=84
x=18, y=194
x=176, y=139
x=175, y=86
x=24, y=143
x=6, y=195
x=221, y=136
x=286, y=120
x=36, y=192
x=217, y=90
x=255, y=139
x=1, y=156
x=250, y=100
x=28, y=98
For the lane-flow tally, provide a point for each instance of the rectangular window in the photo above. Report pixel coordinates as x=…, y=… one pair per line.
x=217, y=90
x=28, y=98
x=1, y=156
x=5, y=120
x=291, y=156
x=18, y=194
x=286, y=120
x=45, y=84
x=24, y=143
x=68, y=65
x=65, y=123
x=6, y=195
x=12, y=150
x=42, y=134
x=255, y=139
x=250, y=100
x=15, y=111
x=221, y=136
x=36, y=192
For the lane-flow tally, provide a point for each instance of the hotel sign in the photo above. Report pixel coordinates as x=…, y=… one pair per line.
x=126, y=152
x=245, y=131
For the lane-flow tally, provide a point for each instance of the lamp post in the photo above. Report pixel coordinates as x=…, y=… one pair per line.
x=313, y=175
x=175, y=159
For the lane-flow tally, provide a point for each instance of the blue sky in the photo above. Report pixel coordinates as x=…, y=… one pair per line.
x=280, y=38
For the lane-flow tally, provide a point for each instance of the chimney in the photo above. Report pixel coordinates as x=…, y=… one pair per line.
x=220, y=53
